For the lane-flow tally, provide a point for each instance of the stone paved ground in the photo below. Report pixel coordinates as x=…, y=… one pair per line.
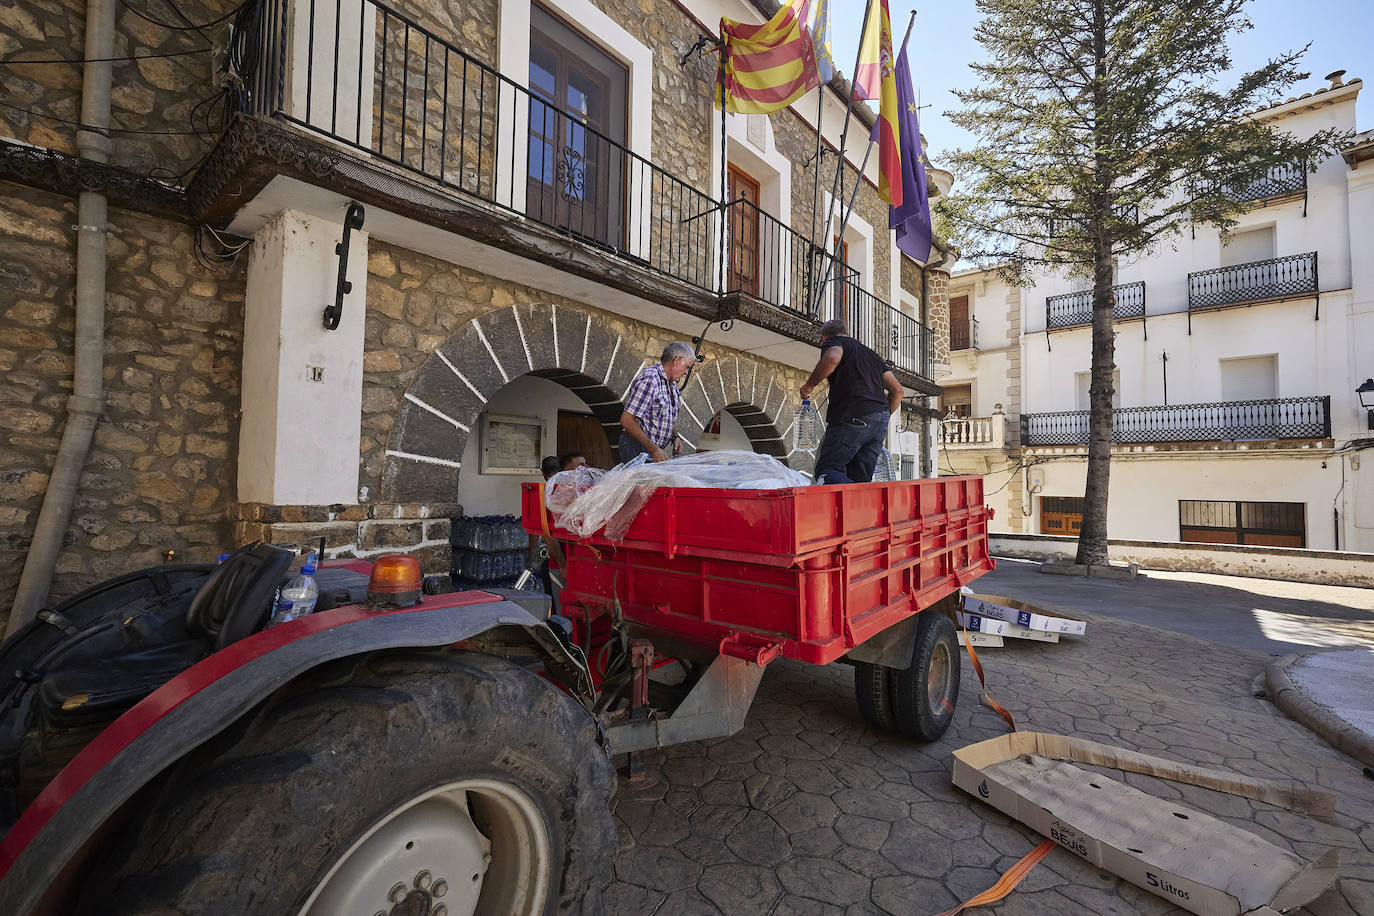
x=807, y=810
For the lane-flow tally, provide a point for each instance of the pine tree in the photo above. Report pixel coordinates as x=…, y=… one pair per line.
x=1104, y=130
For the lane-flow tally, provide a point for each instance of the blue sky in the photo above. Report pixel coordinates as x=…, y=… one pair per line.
x=942, y=45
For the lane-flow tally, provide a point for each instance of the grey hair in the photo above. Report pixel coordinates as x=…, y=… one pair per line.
x=678, y=350
x=833, y=327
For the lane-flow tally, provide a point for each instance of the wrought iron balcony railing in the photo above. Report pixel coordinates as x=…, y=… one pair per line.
x=1280, y=181
x=889, y=332
x=964, y=335
x=1072, y=309
x=1257, y=281
x=368, y=77
x=1223, y=421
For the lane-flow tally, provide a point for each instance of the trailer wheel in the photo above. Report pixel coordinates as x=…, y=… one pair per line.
x=447, y=783
x=873, y=689
x=923, y=696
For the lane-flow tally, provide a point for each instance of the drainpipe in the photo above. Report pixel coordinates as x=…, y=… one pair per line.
x=84, y=405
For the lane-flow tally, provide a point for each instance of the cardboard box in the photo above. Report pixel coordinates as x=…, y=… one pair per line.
x=1029, y=616
x=980, y=624
x=1189, y=858
x=981, y=640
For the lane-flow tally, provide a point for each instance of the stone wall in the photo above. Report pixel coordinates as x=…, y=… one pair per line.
x=796, y=140
x=937, y=319
x=417, y=305
x=160, y=475
x=155, y=95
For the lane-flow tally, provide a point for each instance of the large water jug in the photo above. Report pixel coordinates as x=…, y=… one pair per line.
x=884, y=470
x=807, y=426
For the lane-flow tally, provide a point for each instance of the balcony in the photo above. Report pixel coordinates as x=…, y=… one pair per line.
x=1279, y=183
x=1273, y=419
x=1294, y=276
x=963, y=335
x=431, y=131
x=1074, y=309
x=974, y=432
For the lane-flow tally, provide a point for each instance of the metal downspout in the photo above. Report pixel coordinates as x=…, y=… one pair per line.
x=84, y=405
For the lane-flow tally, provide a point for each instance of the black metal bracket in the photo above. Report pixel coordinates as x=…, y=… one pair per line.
x=353, y=219
x=699, y=47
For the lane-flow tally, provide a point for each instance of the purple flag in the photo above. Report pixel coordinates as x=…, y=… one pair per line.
x=912, y=218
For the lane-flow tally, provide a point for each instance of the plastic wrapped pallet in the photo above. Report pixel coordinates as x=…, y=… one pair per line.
x=613, y=501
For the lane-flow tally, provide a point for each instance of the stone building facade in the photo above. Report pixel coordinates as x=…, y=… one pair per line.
x=441, y=283
x=160, y=475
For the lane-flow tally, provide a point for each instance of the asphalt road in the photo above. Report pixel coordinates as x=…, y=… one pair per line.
x=1263, y=615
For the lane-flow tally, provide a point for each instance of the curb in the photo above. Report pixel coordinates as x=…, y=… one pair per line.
x=1337, y=732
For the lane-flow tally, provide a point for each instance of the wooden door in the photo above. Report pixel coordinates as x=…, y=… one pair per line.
x=959, y=326
x=743, y=194
x=582, y=432
x=577, y=162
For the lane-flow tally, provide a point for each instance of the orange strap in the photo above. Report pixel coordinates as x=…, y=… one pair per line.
x=1007, y=883
x=978, y=669
x=555, y=548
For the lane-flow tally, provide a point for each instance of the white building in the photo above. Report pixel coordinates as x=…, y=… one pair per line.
x=1237, y=363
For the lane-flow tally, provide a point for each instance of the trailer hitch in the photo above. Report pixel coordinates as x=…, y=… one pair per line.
x=751, y=648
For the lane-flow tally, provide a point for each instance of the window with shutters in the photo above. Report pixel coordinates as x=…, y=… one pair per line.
x=1061, y=514
x=959, y=325
x=1264, y=524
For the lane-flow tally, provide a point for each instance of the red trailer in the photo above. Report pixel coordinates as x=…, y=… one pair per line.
x=816, y=574
x=407, y=748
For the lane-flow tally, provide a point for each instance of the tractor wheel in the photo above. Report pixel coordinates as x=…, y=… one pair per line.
x=873, y=689
x=923, y=696
x=392, y=784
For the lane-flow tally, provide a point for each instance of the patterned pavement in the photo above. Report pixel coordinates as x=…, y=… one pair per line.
x=809, y=811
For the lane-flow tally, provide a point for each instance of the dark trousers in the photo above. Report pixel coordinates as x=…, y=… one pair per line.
x=850, y=449
x=629, y=448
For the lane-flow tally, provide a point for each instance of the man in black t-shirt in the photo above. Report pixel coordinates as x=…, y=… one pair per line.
x=863, y=394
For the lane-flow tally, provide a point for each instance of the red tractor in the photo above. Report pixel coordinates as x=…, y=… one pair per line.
x=410, y=752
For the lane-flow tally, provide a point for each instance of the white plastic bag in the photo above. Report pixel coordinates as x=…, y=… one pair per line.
x=614, y=500
x=565, y=486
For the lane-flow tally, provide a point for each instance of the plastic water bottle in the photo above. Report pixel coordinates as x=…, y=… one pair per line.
x=302, y=591
x=882, y=468
x=283, y=612
x=807, y=425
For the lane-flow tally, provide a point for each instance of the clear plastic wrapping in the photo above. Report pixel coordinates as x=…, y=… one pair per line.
x=612, y=501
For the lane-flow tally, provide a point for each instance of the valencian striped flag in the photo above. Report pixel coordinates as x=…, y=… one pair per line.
x=875, y=80
x=767, y=67
x=818, y=21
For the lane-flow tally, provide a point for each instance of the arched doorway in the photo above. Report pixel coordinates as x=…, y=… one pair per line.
x=580, y=351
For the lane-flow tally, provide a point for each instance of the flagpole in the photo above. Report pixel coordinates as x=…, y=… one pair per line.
x=816, y=167
x=855, y=195
x=837, y=186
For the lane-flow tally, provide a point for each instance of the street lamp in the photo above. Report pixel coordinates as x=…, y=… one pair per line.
x=1366, y=393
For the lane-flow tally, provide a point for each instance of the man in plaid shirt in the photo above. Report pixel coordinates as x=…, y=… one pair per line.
x=649, y=422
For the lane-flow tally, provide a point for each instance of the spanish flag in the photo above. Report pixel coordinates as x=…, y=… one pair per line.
x=876, y=79
x=767, y=67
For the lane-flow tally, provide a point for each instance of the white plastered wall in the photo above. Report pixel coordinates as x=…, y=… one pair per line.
x=299, y=437
x=1145, y=492
x=524, y=396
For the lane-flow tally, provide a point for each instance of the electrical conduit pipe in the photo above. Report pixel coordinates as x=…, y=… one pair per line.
x=84, y=405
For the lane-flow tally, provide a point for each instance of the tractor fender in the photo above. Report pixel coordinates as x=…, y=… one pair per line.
x=210, y=696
